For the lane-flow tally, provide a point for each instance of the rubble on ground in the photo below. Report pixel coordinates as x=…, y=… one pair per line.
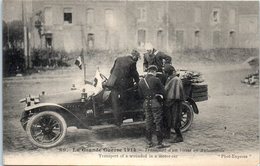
x=252, y=79
x=253, y=62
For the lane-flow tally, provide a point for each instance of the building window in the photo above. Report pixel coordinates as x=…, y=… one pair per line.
x=48, y=40
x=248, y=24
x=108, y=39
x=159, y=39
x=232, y=39
x=90, y=16
x=141, y=37
x=67, y=13
x=160, y=15
x=91, y=40
x=141, y=14
x=48, y=16
x=197, y=15
x=179, y=39
x=197, y=39
x=232, y=16
x=216, y=39
x=109, y=18
x=215, y=16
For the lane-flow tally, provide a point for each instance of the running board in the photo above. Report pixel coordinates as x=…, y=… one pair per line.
x=123, y=125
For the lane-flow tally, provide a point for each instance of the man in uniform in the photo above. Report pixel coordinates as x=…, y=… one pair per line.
x=123, y=76
x=174, y=94
x=157, y=58
x=152, y=90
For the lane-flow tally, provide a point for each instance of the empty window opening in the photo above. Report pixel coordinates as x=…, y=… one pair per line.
x=197, y=39
x=159, y=39
x=48, y=40
x=109, y=18
x=232, y=16
x=160, y=15
x=141, y=14
x=179, y=39
x=248, y=24
x=197, y=15
x=91, y=40
x=216, y=39
x=215, y=17
x=232, y=38
x=90, y=16
x=107, y=39
x=141, y=37
x=48, y=16
x=67, y=15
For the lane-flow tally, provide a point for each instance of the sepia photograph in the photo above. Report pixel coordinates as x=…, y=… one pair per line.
x=130, y=82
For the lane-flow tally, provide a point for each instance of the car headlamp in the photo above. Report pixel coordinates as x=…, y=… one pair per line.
x=30, y=100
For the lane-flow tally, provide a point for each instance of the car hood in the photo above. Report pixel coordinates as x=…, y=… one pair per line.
x=70, y=96
x=62, y=97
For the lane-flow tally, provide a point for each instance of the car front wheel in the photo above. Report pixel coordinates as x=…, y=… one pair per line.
x=187, y=117
x=46, y=129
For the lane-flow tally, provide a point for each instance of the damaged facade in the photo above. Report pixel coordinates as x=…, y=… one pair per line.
x=168, y=25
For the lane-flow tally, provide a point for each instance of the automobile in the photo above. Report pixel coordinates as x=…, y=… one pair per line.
x=46, y=118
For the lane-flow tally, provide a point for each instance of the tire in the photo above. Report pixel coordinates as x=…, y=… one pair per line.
x=196, y=86
x=200, y=90
x=198, y=99
x=187, y=117
x=201, y=94
x=45, y=123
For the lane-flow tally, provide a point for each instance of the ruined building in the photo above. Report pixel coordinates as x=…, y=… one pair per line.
x=168, y=25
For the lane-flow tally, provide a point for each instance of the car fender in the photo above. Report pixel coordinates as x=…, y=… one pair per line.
x=53, y=105
x=28, y=108
x=193, y=104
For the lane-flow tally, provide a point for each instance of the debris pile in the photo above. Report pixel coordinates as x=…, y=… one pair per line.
x=253, y=62
x=252, y=79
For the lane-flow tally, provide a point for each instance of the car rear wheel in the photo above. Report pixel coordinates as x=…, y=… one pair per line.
x=187, y=117
x=46, y=129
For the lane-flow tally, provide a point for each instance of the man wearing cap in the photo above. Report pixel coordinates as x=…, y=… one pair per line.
x=152, y=91
x=174, y=94
x=123, y=75
x=157, y=58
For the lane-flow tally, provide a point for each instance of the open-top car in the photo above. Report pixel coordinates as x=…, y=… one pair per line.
x=46, y=117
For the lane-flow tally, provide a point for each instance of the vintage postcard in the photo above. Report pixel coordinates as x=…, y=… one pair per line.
x=130, y=82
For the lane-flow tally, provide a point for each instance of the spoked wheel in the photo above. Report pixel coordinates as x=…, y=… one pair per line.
x=187, y=117
x=46, y=129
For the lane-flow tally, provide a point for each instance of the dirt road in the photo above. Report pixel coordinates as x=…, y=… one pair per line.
x=227, y=122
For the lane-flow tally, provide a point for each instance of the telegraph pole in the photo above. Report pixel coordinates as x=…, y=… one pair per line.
x=167, y=25
x=8, y=36
x=83, y=40
x=25, y=37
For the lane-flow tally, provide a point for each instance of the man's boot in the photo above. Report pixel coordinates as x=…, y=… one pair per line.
x=149, y=139
x=160, y=140
x=119, y=120
x=167, y=133
x=178, y=137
